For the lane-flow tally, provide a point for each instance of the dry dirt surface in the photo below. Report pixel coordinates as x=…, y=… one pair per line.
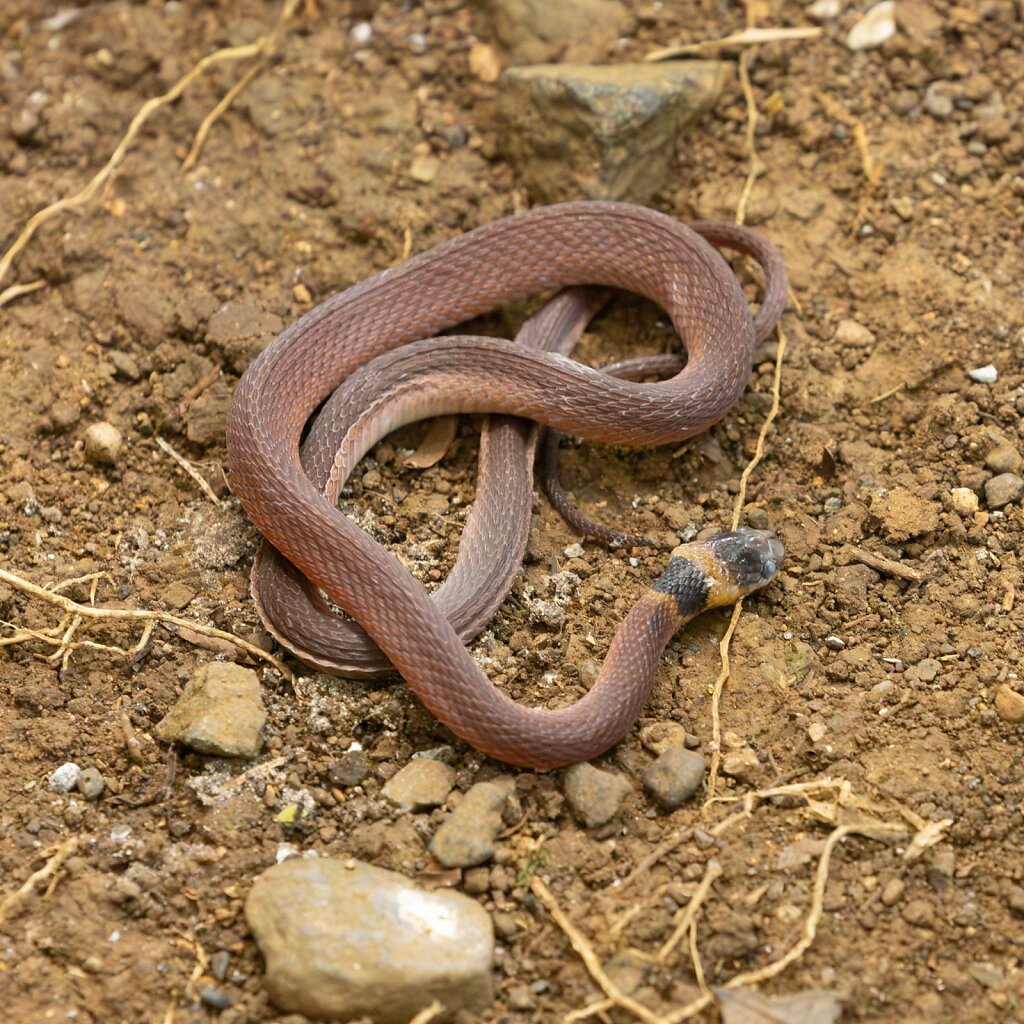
x=876, y=682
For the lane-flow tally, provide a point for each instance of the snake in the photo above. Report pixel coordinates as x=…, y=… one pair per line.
x=372, y=358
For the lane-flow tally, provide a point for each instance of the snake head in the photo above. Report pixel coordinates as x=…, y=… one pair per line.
x=748, y=559
x=733, y=564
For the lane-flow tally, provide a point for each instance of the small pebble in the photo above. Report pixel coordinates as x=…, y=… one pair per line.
x=424, y=168
x=1015, y=899
x=850, y=334
x=741, y=764
x=124, y=364
x=595, y=796
x=91, y=784
x=674, y=778
x=420, y=785
x=64, y=415
x=964, y=500
x=657, y=737
x=467, y=837
x=1009, y=705
x=574, y=551
x=824, y=10
x=833, y=643
x=1003, y=457
x=892, y=892
x=361, y=33
x=1002, y=489
x=64, y=779
x=219, y=963
x=476, y=881
x=103, y=444
x=213, y=997
x=484, y=62
x=984, y=374
x=919, y=913
x=937, y=101
x=350, y=769
x=877, y=26
x=521, y=998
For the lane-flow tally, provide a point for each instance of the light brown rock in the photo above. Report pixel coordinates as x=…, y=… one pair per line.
x=219, y=712
x=421, y=784
x=343, y=939
x=1009, y=705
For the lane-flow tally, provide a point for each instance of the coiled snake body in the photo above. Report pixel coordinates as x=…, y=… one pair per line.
x=356, y=339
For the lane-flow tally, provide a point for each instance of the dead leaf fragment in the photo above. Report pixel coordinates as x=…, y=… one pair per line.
x=435, y=443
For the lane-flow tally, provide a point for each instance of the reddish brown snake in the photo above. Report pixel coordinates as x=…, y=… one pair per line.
x=607, y=244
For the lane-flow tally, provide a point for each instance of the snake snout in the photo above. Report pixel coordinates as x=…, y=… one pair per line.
x=753, y=557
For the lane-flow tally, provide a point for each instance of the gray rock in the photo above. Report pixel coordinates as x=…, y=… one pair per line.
x=1003, y=489
x=595, y=796
x=1003, y=457
x=342, y=939
x=601, y=132
x=467, y=837
x=675, y=777
x=421, y=784
x=103, y=444
x=220, y=712
x=350, y=769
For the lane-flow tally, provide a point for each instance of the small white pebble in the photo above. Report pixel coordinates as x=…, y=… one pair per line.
x=362, y=32
x=877, y=25
x=64, y=779
x=103, y=443
x=984, y=374
x=824, y=10
x=574, y=551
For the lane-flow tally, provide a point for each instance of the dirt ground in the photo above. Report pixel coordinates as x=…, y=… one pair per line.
x=898, y=206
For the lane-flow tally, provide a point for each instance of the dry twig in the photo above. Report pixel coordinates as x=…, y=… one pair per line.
x=588, y=956
x=48, y=870
x=77, y=616
x=190, y=469
x=881, y=564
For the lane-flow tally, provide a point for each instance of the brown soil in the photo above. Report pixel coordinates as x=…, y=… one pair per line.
x=157, y=295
